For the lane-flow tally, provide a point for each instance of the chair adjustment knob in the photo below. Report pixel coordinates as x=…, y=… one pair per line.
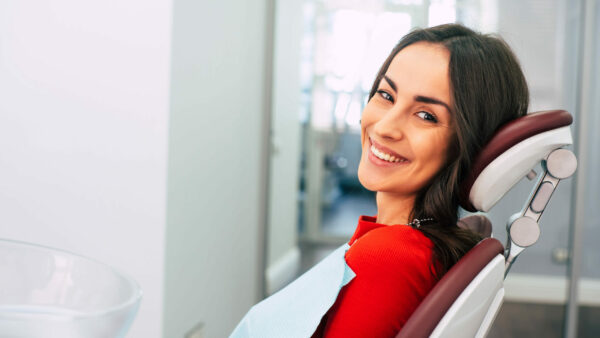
x=561, y=163
x=524, y=231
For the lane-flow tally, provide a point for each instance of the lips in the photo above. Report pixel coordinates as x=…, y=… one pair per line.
x=397, y=158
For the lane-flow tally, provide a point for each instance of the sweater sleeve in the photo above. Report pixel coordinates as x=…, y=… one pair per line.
x=393, y=274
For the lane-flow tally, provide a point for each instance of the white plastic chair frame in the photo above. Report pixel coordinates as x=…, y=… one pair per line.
x=465, y=302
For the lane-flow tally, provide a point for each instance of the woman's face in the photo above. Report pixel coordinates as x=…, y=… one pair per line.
x=407, y=125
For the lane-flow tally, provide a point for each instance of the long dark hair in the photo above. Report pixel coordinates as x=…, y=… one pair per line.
x=489, y=89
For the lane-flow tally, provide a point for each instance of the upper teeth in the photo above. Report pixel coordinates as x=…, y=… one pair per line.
x=386, y=157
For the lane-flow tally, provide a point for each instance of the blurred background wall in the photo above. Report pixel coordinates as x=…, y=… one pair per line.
x=84, y=109
x=216, y=201
x=97, y=101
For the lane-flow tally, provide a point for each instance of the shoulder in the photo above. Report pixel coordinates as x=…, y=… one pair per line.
x=393, y=274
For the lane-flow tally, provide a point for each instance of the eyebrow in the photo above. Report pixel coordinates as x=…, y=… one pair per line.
x=391, y=83
x=425, y=99
x=418, y=98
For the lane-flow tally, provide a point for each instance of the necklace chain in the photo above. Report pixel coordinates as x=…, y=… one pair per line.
x=417, y=222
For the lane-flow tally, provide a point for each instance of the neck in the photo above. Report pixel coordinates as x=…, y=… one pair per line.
x=393, y=208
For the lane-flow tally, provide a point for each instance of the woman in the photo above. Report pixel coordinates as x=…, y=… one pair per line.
x=437, y=99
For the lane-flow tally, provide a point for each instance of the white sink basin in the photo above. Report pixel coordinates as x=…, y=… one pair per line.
x=46, y=292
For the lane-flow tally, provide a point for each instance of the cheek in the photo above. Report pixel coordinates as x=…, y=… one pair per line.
x=435, y=150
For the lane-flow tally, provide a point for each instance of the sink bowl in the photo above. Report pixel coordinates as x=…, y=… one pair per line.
x=46, y=292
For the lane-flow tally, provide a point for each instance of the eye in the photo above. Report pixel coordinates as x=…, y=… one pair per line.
x=427, y=116
x=385, y=95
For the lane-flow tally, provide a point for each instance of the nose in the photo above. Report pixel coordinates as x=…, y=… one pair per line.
x=391, y=125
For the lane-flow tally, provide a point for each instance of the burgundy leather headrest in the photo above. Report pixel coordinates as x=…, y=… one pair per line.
x=506, y=137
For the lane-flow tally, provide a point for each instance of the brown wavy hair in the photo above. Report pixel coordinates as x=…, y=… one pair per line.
x=489, y=89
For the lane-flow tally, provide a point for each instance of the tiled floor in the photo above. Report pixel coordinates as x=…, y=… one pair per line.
x=542, y=320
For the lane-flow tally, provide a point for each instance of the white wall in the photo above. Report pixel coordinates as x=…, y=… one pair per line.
x=216, y=164
x=283, y=261
x=89, y=111
x=83, y=133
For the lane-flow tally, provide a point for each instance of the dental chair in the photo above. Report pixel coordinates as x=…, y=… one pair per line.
x=466, y=300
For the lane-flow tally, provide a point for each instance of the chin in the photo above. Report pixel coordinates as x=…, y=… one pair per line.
x=364, y=181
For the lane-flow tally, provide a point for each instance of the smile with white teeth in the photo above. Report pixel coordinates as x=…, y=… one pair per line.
x=386, y=157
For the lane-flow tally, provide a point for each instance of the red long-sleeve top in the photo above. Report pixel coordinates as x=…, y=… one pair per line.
x=394, y=273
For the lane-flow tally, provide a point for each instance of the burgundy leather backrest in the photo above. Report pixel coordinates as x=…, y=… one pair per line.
x=435, y=305
x=509, y=135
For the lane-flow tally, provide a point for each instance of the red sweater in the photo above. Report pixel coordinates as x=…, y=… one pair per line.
x=393, y=274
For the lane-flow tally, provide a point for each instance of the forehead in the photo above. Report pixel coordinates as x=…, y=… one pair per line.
x=422, y=68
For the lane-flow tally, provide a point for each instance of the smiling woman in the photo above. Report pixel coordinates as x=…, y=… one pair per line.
x=438, y=97
x=407, y=119
x=465, y=85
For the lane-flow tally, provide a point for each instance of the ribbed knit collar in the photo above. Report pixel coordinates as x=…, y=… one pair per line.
x=365, y=224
